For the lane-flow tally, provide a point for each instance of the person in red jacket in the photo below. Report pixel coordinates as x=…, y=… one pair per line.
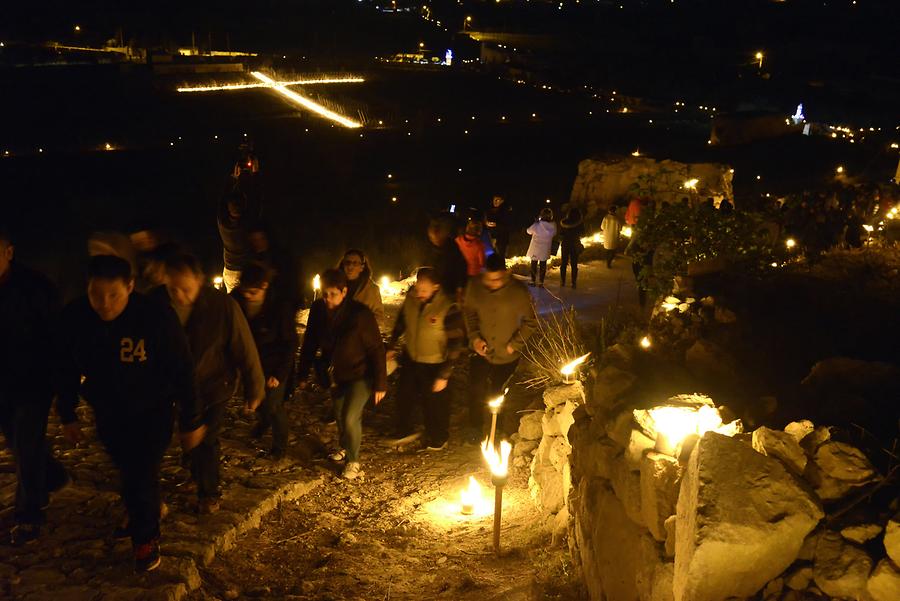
x=346, y=333
x=472, y=248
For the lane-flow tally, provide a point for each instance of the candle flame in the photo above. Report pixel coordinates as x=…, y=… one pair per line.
x=569, y=368
x=645, y=342
x=470, y=496
x=498, y=462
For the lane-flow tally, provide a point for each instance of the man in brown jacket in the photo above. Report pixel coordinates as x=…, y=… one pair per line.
x=500, y=318
x=223, y=348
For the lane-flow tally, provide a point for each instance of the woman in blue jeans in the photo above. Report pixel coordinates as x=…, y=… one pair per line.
x=346, y=333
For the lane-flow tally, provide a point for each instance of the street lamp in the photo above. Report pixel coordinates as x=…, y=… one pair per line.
x=467, y=23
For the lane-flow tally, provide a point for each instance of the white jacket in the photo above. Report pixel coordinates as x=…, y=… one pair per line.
x=542, y=233
x=610, y=229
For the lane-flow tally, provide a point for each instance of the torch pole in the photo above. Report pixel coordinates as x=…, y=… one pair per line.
x=499, y=482
x=493, y=428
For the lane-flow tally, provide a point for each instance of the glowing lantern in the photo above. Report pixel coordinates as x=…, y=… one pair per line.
x=672, y=425
x=627, y=231
x=645, y=342
x=790, y=243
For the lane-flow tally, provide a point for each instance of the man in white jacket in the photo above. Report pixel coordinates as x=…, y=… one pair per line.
x=610, y=229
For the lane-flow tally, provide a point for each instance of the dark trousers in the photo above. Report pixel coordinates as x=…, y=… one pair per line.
x=486, y=381
x=415, y=390
x=24, y=425
x=349, y=400
x=136, y=445
x=272, y=414
x=636, y=268
x=569, y=255
x=501, y=242
x=205, y=456
x=534, y=270
x=610, y=255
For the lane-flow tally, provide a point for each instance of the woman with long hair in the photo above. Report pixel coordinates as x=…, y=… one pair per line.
x=360, y=285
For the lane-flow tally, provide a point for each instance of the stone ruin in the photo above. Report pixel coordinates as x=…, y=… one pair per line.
x=730, y=517
x=601, y=183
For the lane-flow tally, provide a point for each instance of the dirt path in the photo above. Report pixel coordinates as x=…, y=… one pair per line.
x=397, y=533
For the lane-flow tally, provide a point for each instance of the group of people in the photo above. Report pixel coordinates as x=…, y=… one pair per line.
x=178, y=351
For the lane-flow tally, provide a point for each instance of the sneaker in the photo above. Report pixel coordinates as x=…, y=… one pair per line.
x=338, y=455
x=123, y=530
x=436, y=447
x=208, y=505
x=146, y=556
x=22, y=534
x=351, y=471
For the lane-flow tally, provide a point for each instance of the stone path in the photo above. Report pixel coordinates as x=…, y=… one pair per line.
x=76, y=559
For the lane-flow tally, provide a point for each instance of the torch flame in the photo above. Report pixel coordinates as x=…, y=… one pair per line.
x=569, y=368
x=495, y=404
x=498, y=462
x=317, y=282
x=627, y=231
x=385, y=282
x=691, y=184
x=470, y=497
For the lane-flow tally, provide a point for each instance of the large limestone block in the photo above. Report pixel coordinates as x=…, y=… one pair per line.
x=741, y=520
x=627, y=486
x=838, y=468
x=530, y=426
x=593, y=458
x=610, y=385
x=861, y=533
x=660, y=480
x=884, y=583
x=892, y=539
x=839, y=568
x=780, y=445
x=652, y=570
x=567, y=393
x=608, y=543
x=800, y=430
x=708, y=361
x=547, y=483
x=558, y=420
x=619, y=355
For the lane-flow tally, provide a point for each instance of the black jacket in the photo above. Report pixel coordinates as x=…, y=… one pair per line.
x=350, y=343
x=450, y=266
x=274, y=330
x=138, y=363
x=222, y=346
x=29, y=316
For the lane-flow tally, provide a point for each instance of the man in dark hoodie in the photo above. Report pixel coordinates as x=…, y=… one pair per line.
x=445, y=257
x=223, y=348
x=29, y=316
x=236, y=217
x=274, y=329
x=129, y=359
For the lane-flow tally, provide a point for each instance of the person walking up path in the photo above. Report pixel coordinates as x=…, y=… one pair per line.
x=346, y=334
x=572, y=230
x=500, y=319
x=271, y=321
x=223, y=347
x=433, y=332
x=29, y=320
x=542, y=232
x=135, y=364
x=610, y=228
x=360, y=286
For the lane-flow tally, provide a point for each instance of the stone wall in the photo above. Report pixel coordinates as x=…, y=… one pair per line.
x=601, y=183
x=729, y=517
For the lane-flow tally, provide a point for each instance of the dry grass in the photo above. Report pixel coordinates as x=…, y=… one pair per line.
x=556, y=342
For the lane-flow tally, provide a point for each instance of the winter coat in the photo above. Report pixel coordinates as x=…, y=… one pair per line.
x=542, y=233
x=234, y=233
x=369, y=294
x=349, y=341
x=610, y=229
x=473, y=251
x=499, y=317
x=274, y=331
x=222, y=347
x=571, y=233
x=633, y=213
x=135, y=365
x=450, y=265
x=433, y=331
x=29, y=320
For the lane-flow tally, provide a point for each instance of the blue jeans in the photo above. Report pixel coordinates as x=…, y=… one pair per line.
x=349, y=400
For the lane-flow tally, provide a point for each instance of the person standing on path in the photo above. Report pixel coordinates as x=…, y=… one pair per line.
x=29, y=321
x=135, y=365
x=434, y=335
x=572, y=229
x=498, y=219
x=360, y=285
x=444, y=255
x=542, y=232
x=271, y=320
x=223, y=348
x=472, y=247
x=236, y=218
x=610, y=228
x=347, y=335
x=500, y=319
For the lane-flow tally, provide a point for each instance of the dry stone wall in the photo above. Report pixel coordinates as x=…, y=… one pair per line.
x=730, y=517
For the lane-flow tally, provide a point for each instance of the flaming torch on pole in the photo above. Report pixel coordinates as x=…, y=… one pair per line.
x=494, y=408
x=499, y=464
